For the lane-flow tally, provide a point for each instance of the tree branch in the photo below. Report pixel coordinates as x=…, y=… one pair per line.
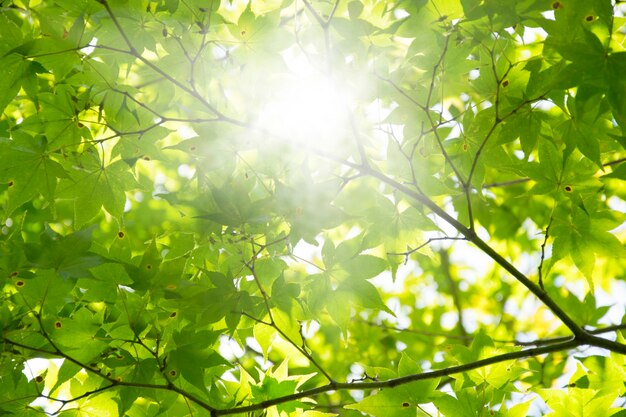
x=471, y=236
x=390, y=383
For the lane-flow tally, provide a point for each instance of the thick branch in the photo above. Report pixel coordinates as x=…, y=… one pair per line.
x=482, y=245
x=401, y=380
x=553, y=345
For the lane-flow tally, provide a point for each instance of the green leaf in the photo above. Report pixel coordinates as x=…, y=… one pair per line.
x=338, y=309
x=618, y=172
x=265, y=336
x=271, y=388
x=26, y=166
x=14, y=69
x=616, y=64
x=68, y=255
x=606, y=374
x=268, y=269
x=518, y=410
x=577, y=402
x=59, y=118
x=399, y=401
x=11, y=34
x=364, y=267
x=83, y=325
x=363, y=293
x=548, y=172
x=355, y=8
x=583, y=239
x=464, y=406
x=113, y=273
x=527, y=125
x=95, y=185
x=67, y=371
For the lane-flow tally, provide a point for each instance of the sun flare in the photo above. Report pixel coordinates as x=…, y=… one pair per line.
x=306, y=107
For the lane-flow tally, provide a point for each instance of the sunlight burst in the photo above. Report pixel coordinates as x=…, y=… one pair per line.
x=306, y=107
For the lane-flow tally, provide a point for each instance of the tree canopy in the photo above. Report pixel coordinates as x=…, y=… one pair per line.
x=312, y=208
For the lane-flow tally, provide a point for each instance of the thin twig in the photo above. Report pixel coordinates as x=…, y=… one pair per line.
x=133, y=51
x=543, y=248
x=272, y=323
x=409, y=251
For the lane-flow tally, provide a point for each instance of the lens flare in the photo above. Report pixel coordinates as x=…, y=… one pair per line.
x=306, y=107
